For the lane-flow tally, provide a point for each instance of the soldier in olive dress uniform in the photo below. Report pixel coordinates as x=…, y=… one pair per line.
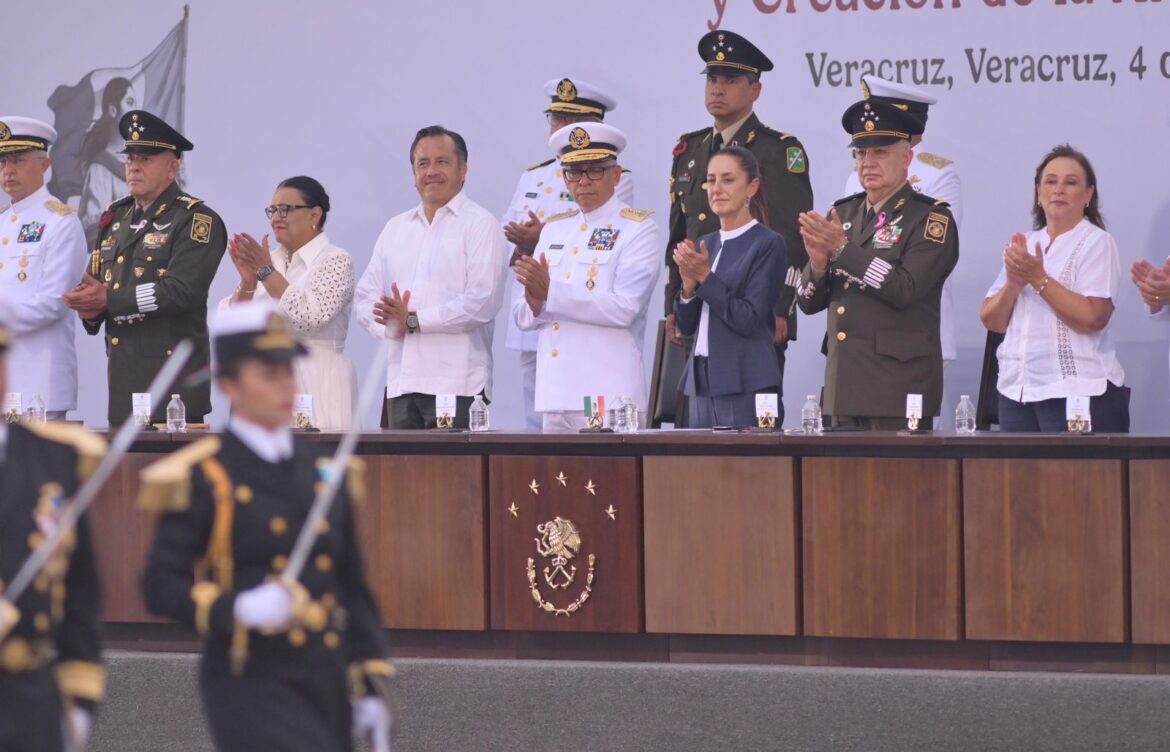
x=878, y=264
x=147, y=281
x=51, y=677
x=733, y=69
x=285, y=667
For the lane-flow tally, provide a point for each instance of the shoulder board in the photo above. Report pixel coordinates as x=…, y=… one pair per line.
x=60, y=208
x=781, y=135
x=90, y=447
x=934, y=160
x=190, y=202
x=847, y=199
x=120, y=202
x=562, y=215
x=692, y=134
x=165, y=486
x=538, y=165
x=638, y=215
x=929, y=200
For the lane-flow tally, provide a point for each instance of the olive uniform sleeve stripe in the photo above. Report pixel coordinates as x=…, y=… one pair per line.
x=877, y=272
x=145, y=297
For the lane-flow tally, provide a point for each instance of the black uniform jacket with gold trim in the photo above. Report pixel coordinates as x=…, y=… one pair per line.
x=784, y=186
x=882, y=294
x=231, y=527
x=60, y=614
x=158, y=269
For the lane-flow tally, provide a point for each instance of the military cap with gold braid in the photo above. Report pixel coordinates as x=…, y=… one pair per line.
x=587, y=142
x=253, y=330
x=19, y=134
x=728, y=54
x=913, y=101
x=875, y=122
x=573, y=96
x=149, y=134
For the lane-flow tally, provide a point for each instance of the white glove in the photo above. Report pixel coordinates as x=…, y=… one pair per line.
x=77, y=723
x=371, y=720
x=269, y=606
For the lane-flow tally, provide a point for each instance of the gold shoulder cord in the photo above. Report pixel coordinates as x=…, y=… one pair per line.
x=218, y=559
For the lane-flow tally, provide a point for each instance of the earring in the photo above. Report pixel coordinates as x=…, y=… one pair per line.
x=314, y=225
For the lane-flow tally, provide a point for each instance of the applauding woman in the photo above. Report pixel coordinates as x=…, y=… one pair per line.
x=1053, y=299
x=313, y=282
x=730, y=285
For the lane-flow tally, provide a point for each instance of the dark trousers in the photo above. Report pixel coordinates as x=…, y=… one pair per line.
x=735, y=410
x=416, y=410
x=1109, y=411
x=876, y=423
x=30, y=712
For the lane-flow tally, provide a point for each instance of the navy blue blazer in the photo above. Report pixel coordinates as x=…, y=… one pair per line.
x=742, y=294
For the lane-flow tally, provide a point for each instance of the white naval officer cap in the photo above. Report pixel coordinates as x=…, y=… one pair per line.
x=19, y=134
x=252, y=330
x=573, y=96
x=587, y=142
x=912, y=100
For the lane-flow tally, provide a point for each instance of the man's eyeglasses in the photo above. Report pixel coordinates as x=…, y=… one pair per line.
x=573, y=174
x=283, y=209
x=879, y=153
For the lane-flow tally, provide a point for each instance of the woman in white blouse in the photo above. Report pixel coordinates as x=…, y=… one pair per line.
x=313, y=282
x=1053, y=301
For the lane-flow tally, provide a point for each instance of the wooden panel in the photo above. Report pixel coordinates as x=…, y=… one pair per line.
x=1045, y=550
x=881, y=548
x=720, y=543
x=123, y=535
x=525, y=493
x=1149, y=565
x=422, y=532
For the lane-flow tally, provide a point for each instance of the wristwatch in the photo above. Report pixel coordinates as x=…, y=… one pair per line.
x=411, y=322
x=264, y=273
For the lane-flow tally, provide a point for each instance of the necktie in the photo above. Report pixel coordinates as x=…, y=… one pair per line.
x=869, y=215
x=717, y=143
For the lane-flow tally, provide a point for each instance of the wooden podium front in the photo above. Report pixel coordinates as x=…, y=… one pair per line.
x=565, y=544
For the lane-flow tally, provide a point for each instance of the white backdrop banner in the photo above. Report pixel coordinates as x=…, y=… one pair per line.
x=337, y=90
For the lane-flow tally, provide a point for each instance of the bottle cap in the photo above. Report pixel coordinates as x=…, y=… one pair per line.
x=174, y=396
x=964, y=396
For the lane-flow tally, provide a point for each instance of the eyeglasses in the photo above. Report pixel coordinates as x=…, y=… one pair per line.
x=878, y=152
x=573, y=174
x=16, y=160
x=283, y=209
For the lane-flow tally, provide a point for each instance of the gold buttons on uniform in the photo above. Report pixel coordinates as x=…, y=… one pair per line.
x=35, y=540
x=568, y=276
x=13, y=218
x=117, y=285
x=315, y=617
x=150, y=258
x=278, y=526
x=841, y=336
x=323, y=527
x=296, y=637
x=584, y=227
x=846, y=285
x=41, y=583
x=279, y=562
x=243, y=493
x=576, y=251
x=554, y=352
x=41, y=622
x=113, y=340
x=4, y=241
x=168, y=351
x=121, y=259
x=323, y=562
x=556, y=326
x=840, y=310
x=548, y=190
x=702, y=216
x=332, y=640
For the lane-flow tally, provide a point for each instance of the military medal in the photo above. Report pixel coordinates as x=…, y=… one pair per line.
x=109, y=275
x=138, y=272
x=24, y=262
x=603, y=239
x=22, y=276
x=589, y=283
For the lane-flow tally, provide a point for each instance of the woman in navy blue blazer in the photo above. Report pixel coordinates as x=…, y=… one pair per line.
x=730, y=285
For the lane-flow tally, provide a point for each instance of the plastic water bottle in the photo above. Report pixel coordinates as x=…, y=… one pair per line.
x=965, y=416
x=176, y=415
x=630, y=411
x=478, y=415
x=810, y=417
x=36, y=410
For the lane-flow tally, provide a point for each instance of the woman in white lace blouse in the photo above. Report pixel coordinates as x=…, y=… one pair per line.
x=313, y=282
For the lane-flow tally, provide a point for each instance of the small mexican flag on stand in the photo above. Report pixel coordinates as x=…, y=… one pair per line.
x=595, y=407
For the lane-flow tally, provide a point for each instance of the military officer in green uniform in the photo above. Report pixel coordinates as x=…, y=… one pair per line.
x=148, y=279
x=877, y=263
x=285, y=667
x=733, y=68
x=51, y=677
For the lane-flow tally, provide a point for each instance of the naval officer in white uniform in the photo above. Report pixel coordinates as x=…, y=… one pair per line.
x=930, y=175
x=588, y=284
x=541, y=193
x=42, y=249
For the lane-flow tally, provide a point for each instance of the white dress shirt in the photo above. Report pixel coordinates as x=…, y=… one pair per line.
x=1041, y=357
x=42, y=255
x=702, y=335
x=270, y=446
x=454, y=268
x=316, y=304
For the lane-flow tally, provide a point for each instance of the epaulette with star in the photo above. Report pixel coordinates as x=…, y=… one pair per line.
x=684, y=140
x=191, y=203
x=933, y=160
x=638, y=215
x=924, y=199
x=847, y=199
x=60, y=208
x=125, y=200
x=563, y=215
x=165, y=486
x=778, y=135
x=538, y=165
